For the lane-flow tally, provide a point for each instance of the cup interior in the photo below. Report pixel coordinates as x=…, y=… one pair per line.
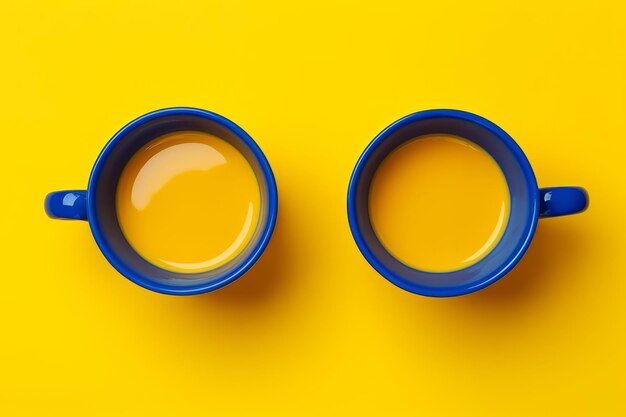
x=522, y=189
x=102, y=200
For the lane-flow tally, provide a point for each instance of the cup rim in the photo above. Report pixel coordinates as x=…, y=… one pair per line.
x=194, y=288
x=396, y=279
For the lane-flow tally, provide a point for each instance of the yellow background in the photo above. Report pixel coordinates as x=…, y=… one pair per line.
x=312, y=329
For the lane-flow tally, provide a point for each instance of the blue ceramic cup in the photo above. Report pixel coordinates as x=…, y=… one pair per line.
x=97, y=203
x=528, y=203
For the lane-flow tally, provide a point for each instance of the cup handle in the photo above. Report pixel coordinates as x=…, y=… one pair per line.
x=560, y=201
x=69, y=205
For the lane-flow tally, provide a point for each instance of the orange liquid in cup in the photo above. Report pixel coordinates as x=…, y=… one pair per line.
x=439, y=203
x=188, y=202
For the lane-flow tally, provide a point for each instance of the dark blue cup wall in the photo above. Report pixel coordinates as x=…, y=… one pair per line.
x=109, y=177
x=516, y=229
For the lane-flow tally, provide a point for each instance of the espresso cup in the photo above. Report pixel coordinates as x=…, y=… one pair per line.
x=97, y=204
x=528, y=203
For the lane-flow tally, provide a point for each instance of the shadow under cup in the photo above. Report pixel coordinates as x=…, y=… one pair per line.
x=523, y=215
x=102, y=189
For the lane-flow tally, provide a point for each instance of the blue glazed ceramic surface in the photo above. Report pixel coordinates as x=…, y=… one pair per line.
x=528, y=202
x=97, y=203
